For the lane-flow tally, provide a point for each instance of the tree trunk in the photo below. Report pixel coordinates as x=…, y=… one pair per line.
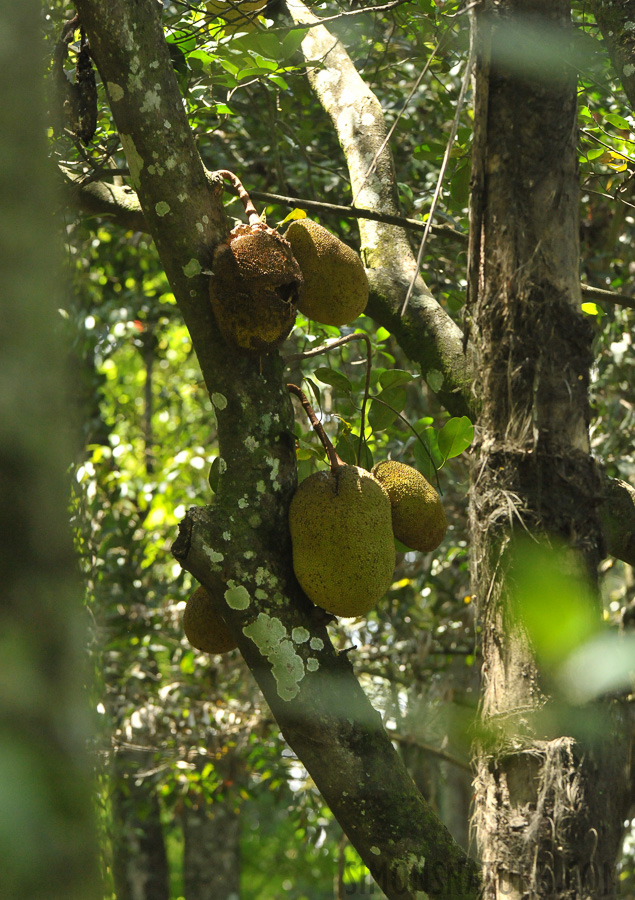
x=140, y=866
x=548, y=809
x=211, y=861
x=47, y=838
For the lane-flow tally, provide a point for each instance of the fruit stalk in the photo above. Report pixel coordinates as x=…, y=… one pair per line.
x=334, y=460
x=250, y=209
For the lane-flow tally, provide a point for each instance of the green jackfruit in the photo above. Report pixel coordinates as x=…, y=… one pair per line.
x=343, y=547
x=335, y=283
x=418, y=517
x=254, y=288
x=203, y=626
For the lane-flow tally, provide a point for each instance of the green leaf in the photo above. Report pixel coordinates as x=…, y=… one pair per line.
x=394, y=377
x=455, y=437
x=430, y=459
x=460, y=184
x=381, y=415
x=335, y=379
x=592, y=309
x=552, y=599
x=434, y=379
x=279, y=82
x=594, y=152
x=617, y=121
x=347, y=446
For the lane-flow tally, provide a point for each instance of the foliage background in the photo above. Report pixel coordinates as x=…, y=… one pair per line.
x=197, y=726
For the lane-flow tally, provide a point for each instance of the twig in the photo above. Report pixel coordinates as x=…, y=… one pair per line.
x=234, y=180
x=384, y=143
x=437, y=191
x=334, y=460
x=338, y=343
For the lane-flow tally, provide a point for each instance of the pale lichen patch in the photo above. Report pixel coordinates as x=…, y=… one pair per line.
x=375, y=851
x=227, y=536
x=237, y=596
x=316, y=643
x=222, y=465
x=115, y=91
x=270, y=636
x=260, y=487
x=312, y=664
x=192, y=269
x=162, y=208
x=300, y=635
x=213, y=555
x=260, y=594
x=243, y=503
x=151, y=100
x=251, y=443
x=219, y=401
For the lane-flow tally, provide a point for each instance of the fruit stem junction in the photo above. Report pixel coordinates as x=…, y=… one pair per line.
x=250, y=209
x=334, y=460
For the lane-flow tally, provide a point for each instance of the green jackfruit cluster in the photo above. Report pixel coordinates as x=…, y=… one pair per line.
x=203, y=626
x=418, y=517
x=335, y=283
x=255, y=288
x=343, y=546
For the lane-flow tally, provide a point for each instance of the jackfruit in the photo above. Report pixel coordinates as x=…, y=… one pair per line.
x=418, y=517
x=254, y=288
x=335, y=283
x=237, y=14
x=341, y=534
x=203, y=626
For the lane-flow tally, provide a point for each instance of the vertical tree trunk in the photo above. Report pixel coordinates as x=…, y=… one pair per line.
x=548, y=814
x=47, y=839
x=211, y=861
x=140, y=866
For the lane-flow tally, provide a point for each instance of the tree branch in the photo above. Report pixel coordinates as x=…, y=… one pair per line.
x=358, y=120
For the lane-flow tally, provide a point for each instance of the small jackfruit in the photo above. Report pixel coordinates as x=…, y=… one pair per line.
x=203, y=626
x=418, y=517
x=335, y=283
x=237, y=14
x=341, y=533
x=254, y=288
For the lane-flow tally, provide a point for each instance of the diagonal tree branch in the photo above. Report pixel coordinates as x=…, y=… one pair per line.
x=358, y=121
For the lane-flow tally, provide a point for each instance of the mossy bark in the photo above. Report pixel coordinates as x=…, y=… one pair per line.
x=548, y=808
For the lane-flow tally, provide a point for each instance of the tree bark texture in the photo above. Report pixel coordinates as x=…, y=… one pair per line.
x=616, y=19
x=140, y=866
x=211, y=860
x=48, y=847
x=549, y=809
x=240, y=547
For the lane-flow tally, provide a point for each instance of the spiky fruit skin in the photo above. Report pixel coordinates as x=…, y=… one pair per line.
x=238, y=15
x=254, y=288
x=335, y=283
x=203, y=627
x=343, y=547
x=418, y=517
